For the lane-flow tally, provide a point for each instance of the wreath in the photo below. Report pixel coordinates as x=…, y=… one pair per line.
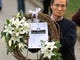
x=16, y=30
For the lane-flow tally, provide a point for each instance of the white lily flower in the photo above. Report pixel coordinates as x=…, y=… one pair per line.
x=48, y=54
x=20, y=45
x=23, y=20
x=26, y=27
x=8, y=29
x=12, y=19
x=15, y=38
x=50, y=45
x=22, y=32
x=16, y=22
x=17, y=34
x=10, y=42
x=47, y=48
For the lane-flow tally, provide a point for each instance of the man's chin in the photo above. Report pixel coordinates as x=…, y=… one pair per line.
x=59, y=15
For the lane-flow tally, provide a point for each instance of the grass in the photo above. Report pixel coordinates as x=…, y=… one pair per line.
x=72, y=8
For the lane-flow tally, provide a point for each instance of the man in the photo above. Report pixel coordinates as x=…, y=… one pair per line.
x=21, y=5
x=67, y=29
x=0, y=5
x=46, y=6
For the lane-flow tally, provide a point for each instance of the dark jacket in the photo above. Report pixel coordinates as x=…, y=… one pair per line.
x=76, y=17
x=68, y=39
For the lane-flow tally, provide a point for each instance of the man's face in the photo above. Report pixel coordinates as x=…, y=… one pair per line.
x=58, y=7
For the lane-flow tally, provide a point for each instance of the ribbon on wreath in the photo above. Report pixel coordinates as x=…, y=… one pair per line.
x=36, y=14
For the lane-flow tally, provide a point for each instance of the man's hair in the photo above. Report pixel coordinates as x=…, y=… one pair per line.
x=52, y=1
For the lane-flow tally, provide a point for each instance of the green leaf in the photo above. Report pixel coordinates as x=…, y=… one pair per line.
x=7, y=50
x=8, y=21
x=58, y=44
x=57, y=56
x=2, y=34
x=20, y=14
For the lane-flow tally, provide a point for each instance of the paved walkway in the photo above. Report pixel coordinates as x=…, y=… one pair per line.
x=9, y=10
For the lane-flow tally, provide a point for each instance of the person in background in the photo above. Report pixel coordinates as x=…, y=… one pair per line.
x=76, y=17
x=0, y=5
x=67, y=28
x=21, y=5
x=46, y=6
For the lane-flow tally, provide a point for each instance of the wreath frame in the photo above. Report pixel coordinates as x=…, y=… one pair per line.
x=54, y=31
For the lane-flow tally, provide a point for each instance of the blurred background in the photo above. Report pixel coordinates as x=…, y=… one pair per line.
x=9, y=8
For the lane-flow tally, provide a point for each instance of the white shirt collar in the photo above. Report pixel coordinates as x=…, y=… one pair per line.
x=53, y=19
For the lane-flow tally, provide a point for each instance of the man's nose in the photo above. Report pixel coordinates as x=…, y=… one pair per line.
x=59, y=8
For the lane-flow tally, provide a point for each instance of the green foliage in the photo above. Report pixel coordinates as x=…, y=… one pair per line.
x=72, y=8
x=58, y=44
x=8, y=21
x=57, y=55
